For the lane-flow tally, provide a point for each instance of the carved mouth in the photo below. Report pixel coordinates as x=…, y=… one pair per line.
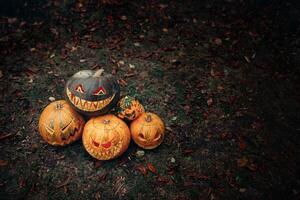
x=90, y=106
x=109, y=152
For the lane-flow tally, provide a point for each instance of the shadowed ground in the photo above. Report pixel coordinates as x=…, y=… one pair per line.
x=223, y=75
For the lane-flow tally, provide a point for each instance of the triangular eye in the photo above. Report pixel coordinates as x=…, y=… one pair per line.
x=79, y=88
x=100, y=91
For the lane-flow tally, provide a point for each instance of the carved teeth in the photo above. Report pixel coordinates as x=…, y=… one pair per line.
x=86, y=105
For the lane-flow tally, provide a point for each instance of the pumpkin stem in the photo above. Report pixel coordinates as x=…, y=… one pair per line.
x=98, y=73
x=59, y=106
x=148, y=118
x=106, y=121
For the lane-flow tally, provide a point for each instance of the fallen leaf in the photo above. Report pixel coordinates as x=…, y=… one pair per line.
x=142, y=169
x=122, y=82
x=252, y=167
x=152, y=168
x=162, y=180
x=3, y=162
x=218, y=41
x=22, y=183
x=242, y=143
x=209, y=101
x=242, y=162
x=188, y=151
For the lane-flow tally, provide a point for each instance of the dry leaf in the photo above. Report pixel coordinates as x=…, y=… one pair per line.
x=242, y=144
x=65, y=182
x=142, y=169
x=242, y=162
x=3, y=162
x=218, y=41
x=209, y=101
x=152, y=168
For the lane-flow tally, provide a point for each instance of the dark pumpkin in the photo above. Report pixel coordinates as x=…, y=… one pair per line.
x=92, y=93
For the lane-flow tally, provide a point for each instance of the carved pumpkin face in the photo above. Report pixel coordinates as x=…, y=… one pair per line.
x=59, y=124
x=106, y=137
x=92, y=93
x=148, y=131
x=129, y=108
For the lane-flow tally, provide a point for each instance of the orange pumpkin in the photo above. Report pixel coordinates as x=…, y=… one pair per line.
x=129, y=108
x=106, y=137
x=148, y=130
x=59, y=124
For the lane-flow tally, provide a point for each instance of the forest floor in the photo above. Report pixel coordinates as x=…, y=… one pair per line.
x=223, y=76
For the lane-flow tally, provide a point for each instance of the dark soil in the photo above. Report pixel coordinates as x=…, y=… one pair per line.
x=223, y=75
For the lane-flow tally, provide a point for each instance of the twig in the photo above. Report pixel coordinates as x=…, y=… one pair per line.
x=66, y=182
x=2, y=137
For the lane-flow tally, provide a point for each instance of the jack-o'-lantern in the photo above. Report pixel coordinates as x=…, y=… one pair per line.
x=129, y=108
x=92, y=93
x=59, y=124
x=106, y=137
x=148, y=131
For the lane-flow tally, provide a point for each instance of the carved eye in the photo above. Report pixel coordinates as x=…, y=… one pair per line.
x=79, y=88
x=100, y=91
x=95, y=143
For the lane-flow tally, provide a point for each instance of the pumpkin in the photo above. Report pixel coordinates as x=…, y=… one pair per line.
x=59, y=124
x=106, y=137
x=129, y=108
x=92, y=93
x=148, y=131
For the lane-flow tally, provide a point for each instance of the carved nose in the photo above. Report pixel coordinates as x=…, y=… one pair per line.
x=142, y=137
x=106, y=145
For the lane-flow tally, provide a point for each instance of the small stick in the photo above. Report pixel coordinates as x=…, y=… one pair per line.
x=98, y=73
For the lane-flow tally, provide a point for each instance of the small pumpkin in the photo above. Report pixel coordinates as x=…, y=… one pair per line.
x=129, y=108
x=106, y=137
x=92, y=93
x=148, y=130
x=59, y=124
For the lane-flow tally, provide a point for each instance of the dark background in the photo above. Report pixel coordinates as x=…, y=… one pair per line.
x=223, y=75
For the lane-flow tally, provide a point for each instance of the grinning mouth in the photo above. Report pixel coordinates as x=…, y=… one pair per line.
x=106, y=153
x=86, y=105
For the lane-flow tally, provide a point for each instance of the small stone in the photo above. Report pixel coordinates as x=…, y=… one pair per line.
x=140, y=153
x=51, y=99
x=121, y=62
x=131, y=66
x=242, y=190
x=173, y=160
x=123, y=17
x=137, y=44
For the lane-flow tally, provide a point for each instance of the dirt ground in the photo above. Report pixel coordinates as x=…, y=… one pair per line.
x=223, y=75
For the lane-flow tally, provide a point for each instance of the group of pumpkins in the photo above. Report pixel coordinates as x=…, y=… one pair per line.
x=93, y=94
